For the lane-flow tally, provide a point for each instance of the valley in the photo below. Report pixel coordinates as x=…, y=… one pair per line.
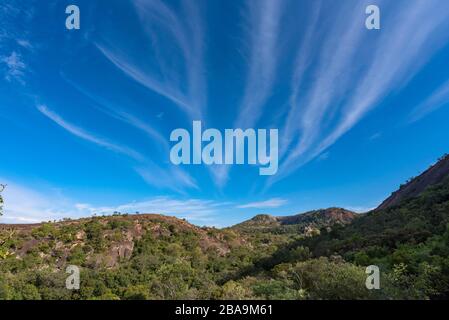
x=320, y=254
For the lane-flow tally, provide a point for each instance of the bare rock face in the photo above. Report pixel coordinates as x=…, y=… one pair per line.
x=119, y=252
x=27, y=246
x=80, y=235
x=413, y=188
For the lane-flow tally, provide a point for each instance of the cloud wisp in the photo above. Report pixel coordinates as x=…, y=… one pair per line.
x=111, y=109
x=271, y=203
x=164, y=79
x=15, y=67
x=26, y=205
x=172, y=178
x=81, y=133
x=263, y=29
x=344, y=88
x=190, y=209
x=435, y=101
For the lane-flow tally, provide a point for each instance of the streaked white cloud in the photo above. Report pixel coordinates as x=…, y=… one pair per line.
x=194, y=210
x=438, y=99
x=184, y=29
x=353, y=73
x=375, y=136
x=15, y=67
x=81, y=133
x=271, y=203
x=263, y=32
x=172, y=178
x=302, y=62
x=28, y=205
x=110, y=108
x=132, y=70
x=24, y=43
x=220, y=174
x=14, y=43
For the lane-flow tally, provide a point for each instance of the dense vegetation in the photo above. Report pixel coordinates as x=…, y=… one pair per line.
x=170, y=260
x=157, y=257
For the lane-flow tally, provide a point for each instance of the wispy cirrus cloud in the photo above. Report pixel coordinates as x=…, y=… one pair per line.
x=24, y=43
x=81, y=133
x=27, y=205
x=14, y=42
x=195, y=210
x=132, y=70
x=172, y=178
x=113, y=110
x=331, y=63
x=271, y=203
x=343, y=87
x=436, y=100
x=15, y=67
x=149, y=171
x=185, y=30
x=263, y=31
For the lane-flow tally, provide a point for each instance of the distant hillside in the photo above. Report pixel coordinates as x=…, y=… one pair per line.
x=414, y=220
x=324, y=216
x=303, y=222
x=408, y=238
x=416, y=212
x=434, y=175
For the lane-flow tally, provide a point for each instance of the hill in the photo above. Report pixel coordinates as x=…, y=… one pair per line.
x=434, y=175
x=115, y=237
x=144, y=256
x=320, y=254
x=304, y=223
x=408, y=237
x=413, y=214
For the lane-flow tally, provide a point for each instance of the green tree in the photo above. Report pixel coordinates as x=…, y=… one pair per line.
x=234, y=291
x=2, y=187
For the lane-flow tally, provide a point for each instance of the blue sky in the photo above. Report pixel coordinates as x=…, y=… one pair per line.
x=86, y=115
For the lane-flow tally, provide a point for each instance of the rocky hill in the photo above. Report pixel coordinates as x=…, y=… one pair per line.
x=414, y=187
x=299, y=223
x=414, y=214
x=324, y=217
x=320, y=254
x=102, y=241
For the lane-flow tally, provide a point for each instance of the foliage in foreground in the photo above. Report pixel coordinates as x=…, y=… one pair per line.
x=142, y=257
